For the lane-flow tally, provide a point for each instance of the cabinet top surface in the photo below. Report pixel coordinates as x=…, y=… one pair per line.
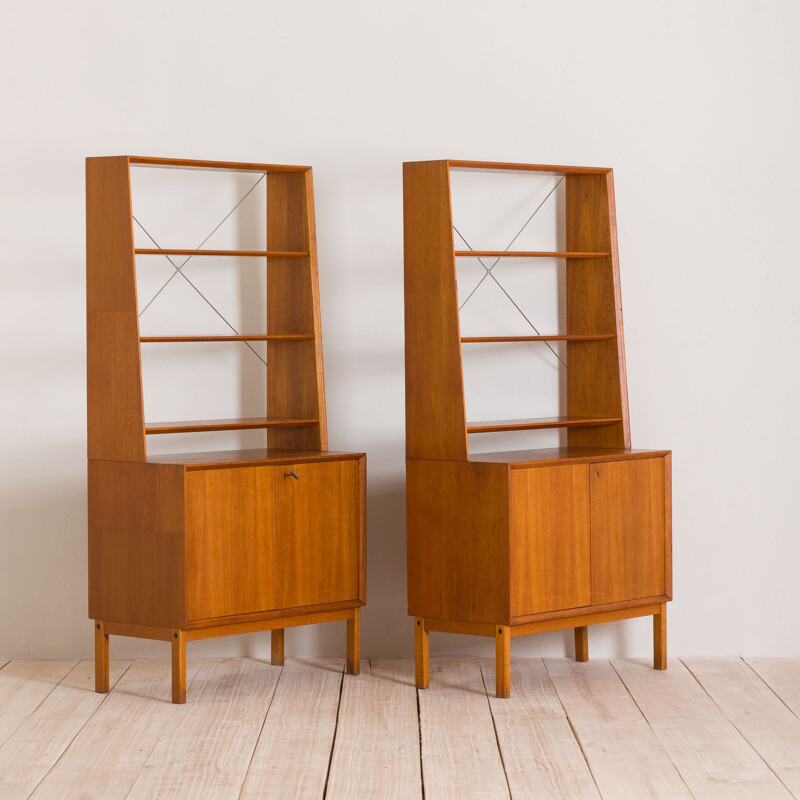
x=517, y=459
x=256, y=457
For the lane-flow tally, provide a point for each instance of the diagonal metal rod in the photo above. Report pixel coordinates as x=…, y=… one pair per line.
x=179, y=272
x=490, y=274
x=178, y=268
x=526, y=318
x=222, y=221
x=176, y=271
x=183, y=263
x=519, y=232
x=216, y=310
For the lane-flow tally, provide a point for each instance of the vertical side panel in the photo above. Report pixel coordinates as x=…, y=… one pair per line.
x=458, y=541
x=136, y=543
x=115, y=409
x=668, y=525
x=362, y=529
x=436, y=426
x=295, y=381
x=596, y=380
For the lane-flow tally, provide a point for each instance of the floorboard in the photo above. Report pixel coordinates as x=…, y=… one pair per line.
x=708, y=729
x=206, y=751
x=460, y=756
x=105, y=758
x=293, y=752
x=32, y=750
x=541, y=756
x=782, y=675
x=23, y=686
x=626, y=758
x=377, y=752
x=761, y=717
x=690, y=726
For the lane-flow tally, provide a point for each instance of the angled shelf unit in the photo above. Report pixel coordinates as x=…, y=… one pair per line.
x=510, y=543
x=193, y=546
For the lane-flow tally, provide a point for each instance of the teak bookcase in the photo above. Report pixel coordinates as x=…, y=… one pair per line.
x=510, y=543
x=185, y=547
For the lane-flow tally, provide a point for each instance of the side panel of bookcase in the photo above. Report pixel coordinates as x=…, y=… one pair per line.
x=114, y=377
x=295, y=382
x=137, y=569
x=436, y=426
x=596, y=382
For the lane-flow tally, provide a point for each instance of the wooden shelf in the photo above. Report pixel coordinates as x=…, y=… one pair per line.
x=571, y=337
x=511, y=167
x=251, y=457
x=230, y=166
x=540, y=422
x=247, y=423
x=173, y=251
x=256, y=337
x=525, y=254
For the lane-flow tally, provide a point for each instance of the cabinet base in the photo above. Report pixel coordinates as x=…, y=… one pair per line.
x=502, y=635
x=179, y=637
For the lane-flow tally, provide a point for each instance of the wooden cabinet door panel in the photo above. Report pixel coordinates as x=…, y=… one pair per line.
x=230, y=541
x=628, y=530
x=550, y=543
x=317, y=533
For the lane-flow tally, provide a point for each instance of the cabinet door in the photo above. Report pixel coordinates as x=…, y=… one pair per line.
x=317, y=535
x=628, y=530
x=550, y=546
x=230, y=541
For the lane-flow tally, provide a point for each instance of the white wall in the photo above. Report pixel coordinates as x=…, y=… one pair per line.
x=695, y=106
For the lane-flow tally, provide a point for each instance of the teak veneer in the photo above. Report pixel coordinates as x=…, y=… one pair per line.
x=192, y=546
x=517, y=542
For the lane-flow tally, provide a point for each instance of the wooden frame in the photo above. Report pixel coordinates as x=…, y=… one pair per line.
x=178, y=638
x=490, y=546
x=168, y=531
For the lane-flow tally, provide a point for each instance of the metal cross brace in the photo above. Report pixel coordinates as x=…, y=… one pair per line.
x=179, y=267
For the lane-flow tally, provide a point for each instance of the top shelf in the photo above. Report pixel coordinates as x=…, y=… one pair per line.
x=167, y=251
x=231, y=166
x=510, y=167
x=526, y=254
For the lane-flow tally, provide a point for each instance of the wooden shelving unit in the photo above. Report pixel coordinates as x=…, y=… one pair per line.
x=192, y=546
x=509, y=543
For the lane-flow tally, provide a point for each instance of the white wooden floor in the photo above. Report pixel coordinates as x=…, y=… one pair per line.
x=705, y=728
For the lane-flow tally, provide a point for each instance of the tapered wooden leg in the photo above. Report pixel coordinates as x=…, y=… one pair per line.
x=421, y=653
x=276, y=643
x=502, y=641
x=178, y=667
x=354, y=643
x=100, y=657
x=660, y=638
x=582, y=643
